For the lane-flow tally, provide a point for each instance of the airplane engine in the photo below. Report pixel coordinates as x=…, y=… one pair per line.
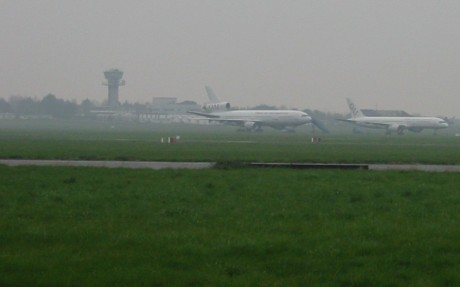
x=397, y=128
x=252, y=127
x=223, y=106
x=249, y=125
x=415, y=130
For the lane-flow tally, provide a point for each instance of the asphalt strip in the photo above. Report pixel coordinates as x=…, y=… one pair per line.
x=202, y=165
x=108, y=164
x=418, y=167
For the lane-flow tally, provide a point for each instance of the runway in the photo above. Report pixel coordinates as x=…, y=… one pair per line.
x=416, y=167
x=419, y=167
x=108, y=164
x=157, y=165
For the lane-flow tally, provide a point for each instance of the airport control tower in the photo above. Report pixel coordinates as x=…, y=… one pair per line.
x=113, y=82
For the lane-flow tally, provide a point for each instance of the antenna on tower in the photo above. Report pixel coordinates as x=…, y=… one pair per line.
x=114, y=81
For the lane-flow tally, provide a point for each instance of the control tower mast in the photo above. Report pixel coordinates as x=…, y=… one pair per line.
x=113, y=82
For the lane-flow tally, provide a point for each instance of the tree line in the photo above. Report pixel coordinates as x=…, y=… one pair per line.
x=51, y=106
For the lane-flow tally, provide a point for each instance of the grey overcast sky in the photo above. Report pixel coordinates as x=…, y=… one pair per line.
x=392, y=54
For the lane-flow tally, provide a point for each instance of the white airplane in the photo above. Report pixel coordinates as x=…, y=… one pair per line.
x=254, y=120
x=397, y=124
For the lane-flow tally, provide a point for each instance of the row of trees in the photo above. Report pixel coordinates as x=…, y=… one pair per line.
x=51, y=106
x=48, y=106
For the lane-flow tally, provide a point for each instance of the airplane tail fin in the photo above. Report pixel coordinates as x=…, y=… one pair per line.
x=212, y=97
x=215, y=104
x=355, y=112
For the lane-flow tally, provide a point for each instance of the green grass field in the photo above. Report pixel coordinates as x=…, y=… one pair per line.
x=243, y=227
x=225, y=226
x=143, y=142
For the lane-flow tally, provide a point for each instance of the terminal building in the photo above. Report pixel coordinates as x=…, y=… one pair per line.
x=167, y=109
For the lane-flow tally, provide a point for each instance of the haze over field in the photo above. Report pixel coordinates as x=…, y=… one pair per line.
x=302, y=54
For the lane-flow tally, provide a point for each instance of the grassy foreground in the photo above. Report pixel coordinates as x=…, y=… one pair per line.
x=222, y=144
x=239, y=227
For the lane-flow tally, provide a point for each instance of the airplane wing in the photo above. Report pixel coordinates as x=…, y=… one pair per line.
x=253, y=124
x=235, y=122
x=206, y=115
x=346, y=120
x=383, y=125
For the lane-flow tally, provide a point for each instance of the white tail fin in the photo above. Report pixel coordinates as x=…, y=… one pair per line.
x=215, y=104
x=355, y=112
x=212, y=97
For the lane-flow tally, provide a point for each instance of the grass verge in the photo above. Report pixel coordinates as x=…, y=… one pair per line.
x=227, y=227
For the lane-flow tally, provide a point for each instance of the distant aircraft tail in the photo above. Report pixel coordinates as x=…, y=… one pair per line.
x=214, y=104
x=355, y=112
x=212, y=97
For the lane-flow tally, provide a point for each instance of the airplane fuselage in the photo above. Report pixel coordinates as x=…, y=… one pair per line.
x=278, y=119
x=254, y=120
x=268, y=116
x=399, y=124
